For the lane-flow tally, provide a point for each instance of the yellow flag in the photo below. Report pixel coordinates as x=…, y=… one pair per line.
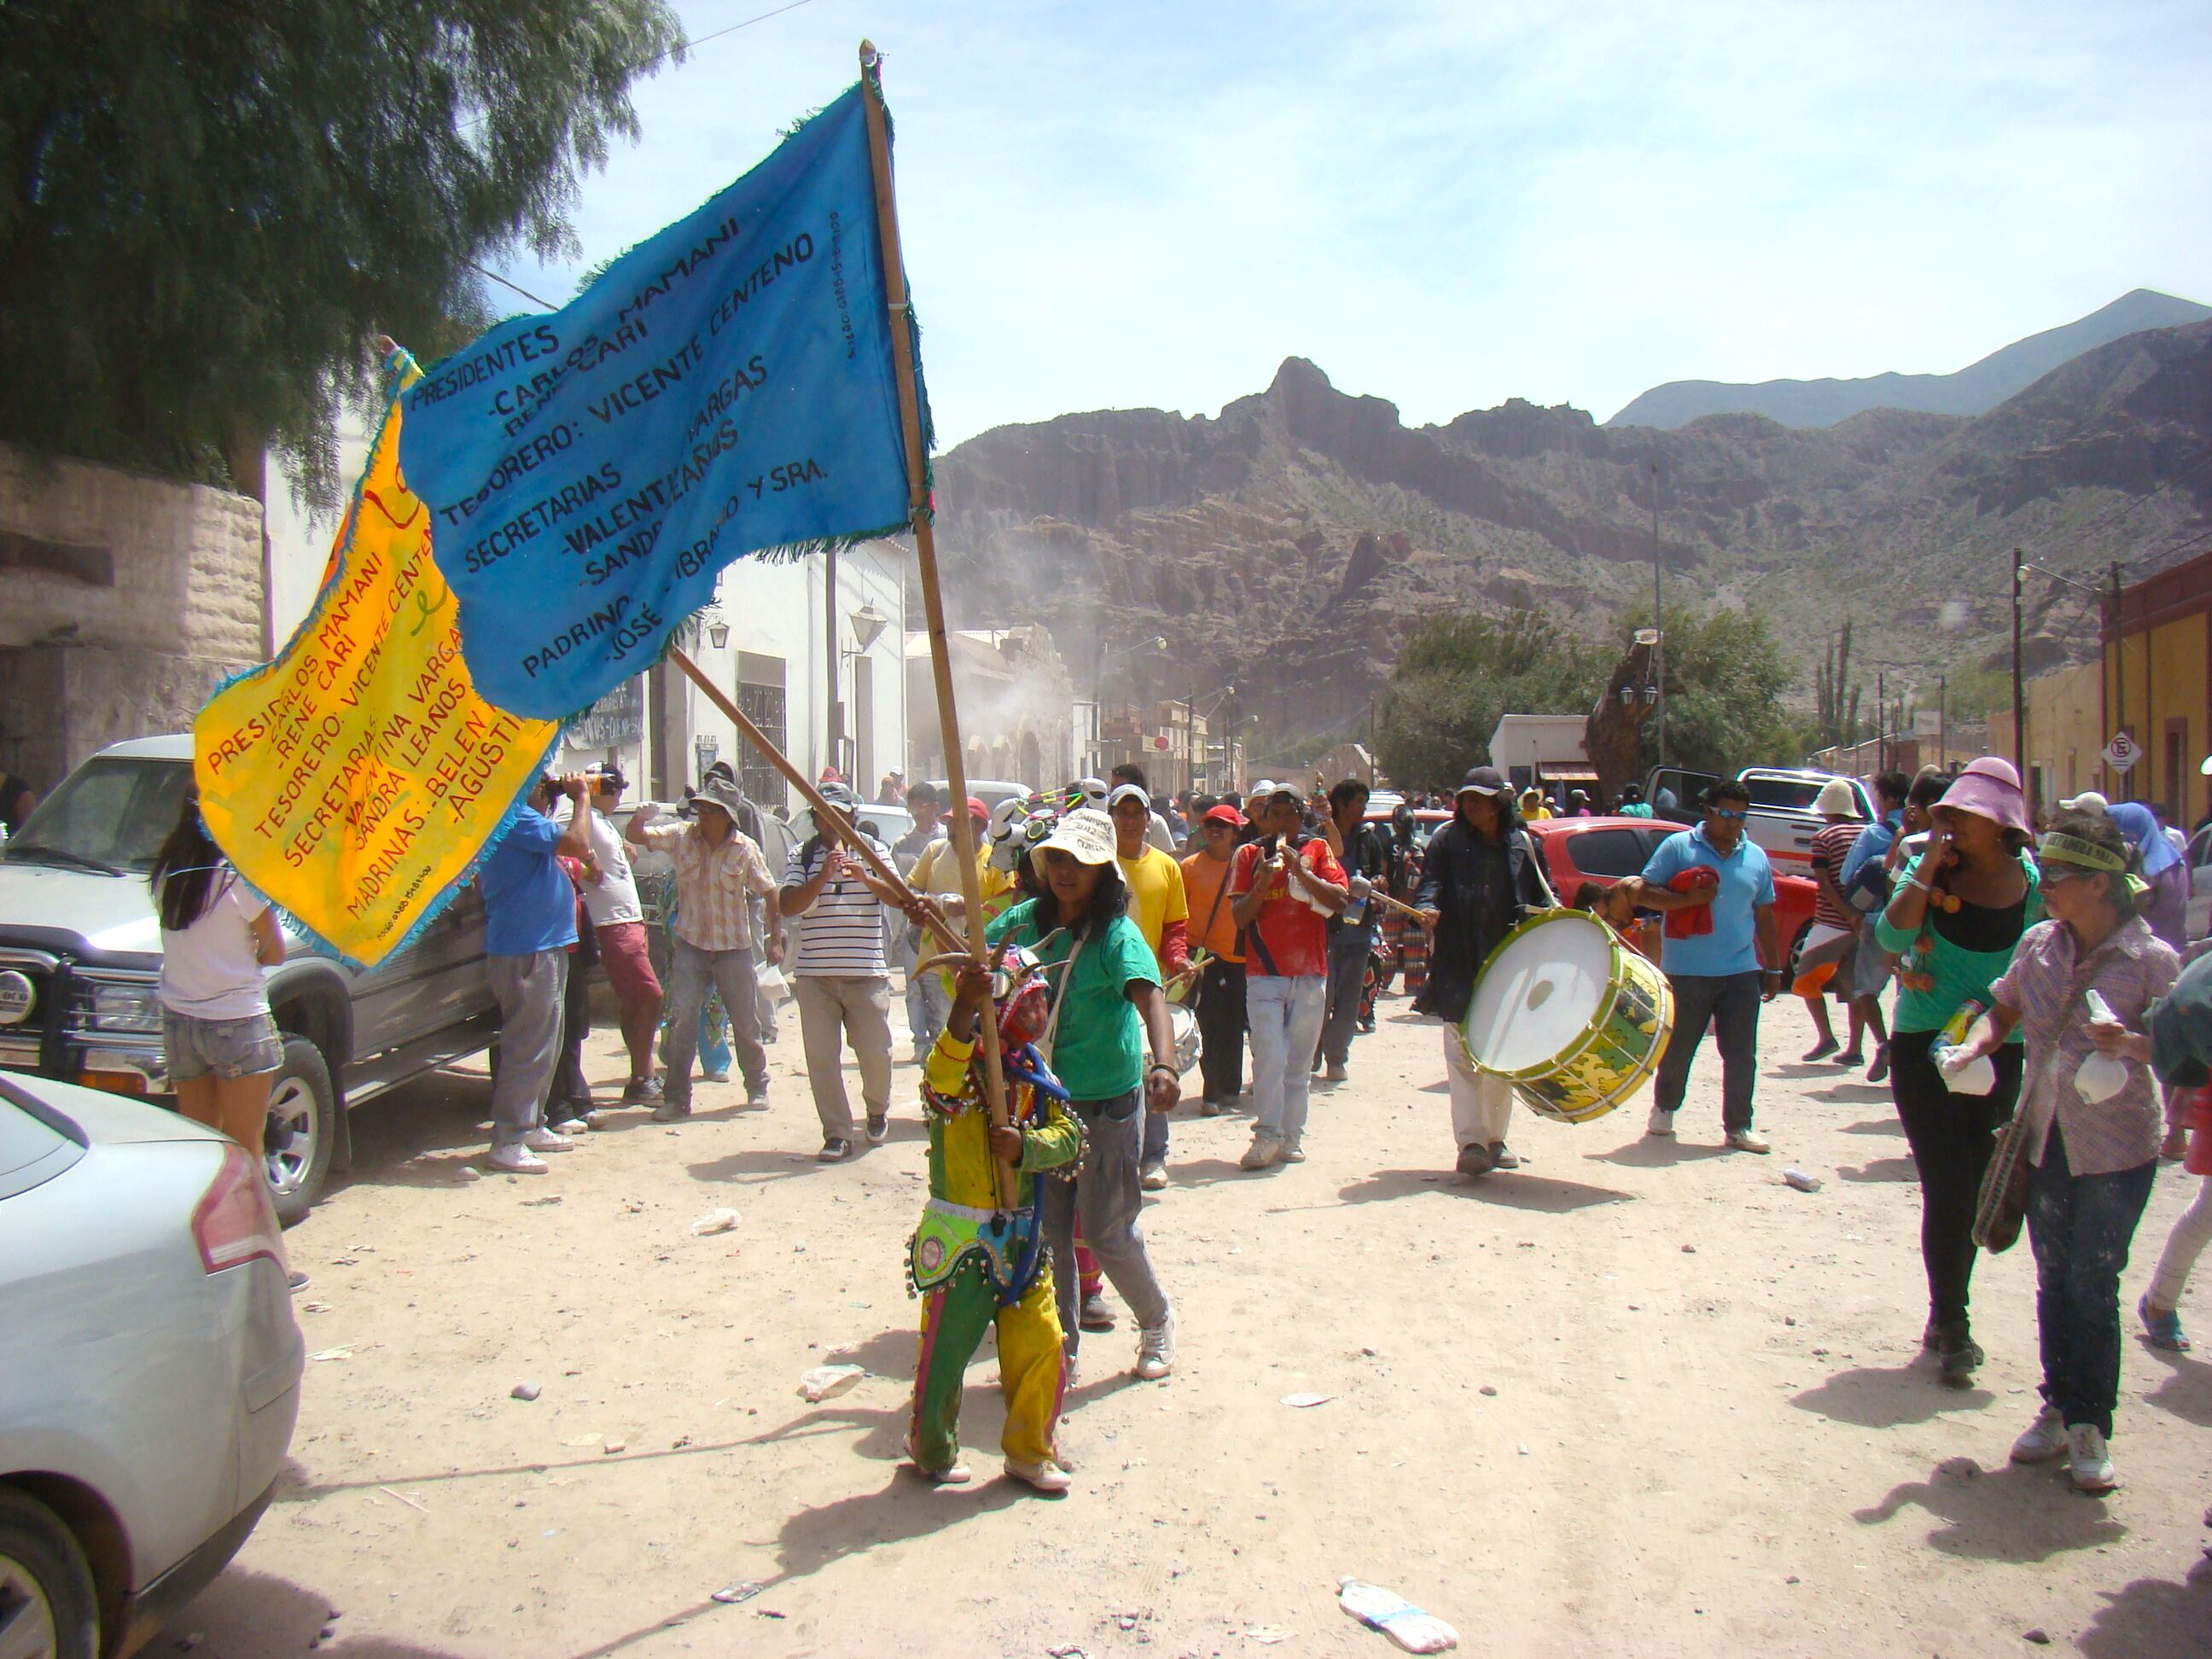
x=357, y=779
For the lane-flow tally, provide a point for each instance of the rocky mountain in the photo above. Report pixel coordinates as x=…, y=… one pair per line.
x=1289, y=542
x=1974, y=390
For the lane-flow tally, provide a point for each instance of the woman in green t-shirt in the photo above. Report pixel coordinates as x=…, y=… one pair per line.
x=1952, y=922
x=1111, y=1008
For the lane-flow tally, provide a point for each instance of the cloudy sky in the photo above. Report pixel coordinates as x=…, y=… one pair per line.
x=1123, y=204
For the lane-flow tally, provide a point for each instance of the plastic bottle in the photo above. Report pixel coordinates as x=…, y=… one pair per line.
x=2101, y=1075
x=1976, y=1076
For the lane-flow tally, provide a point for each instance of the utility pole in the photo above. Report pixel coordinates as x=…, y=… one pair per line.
x=1881, y=722
x=2019, y=697
x=1658, y=621
x=1943, y=721
x=2117, y=647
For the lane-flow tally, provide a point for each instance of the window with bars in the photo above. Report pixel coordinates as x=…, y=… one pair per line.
x=763, y=705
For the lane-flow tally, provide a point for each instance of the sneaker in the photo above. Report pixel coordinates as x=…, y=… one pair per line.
x=1153, y=1178
x=1095, y=1314
x=1046, y=1477
x=1156, y=1350
x=1660, y=1123
x=879, y=1125
x=1265, y=1151
x=955, y=1474
x=2043, y=1440
x=295, y=1281
x=2090, y=1461
x=1959, y=1354
x=1819, y=1050
x=1294, y=1149
x=1880, y=1070
x=671, y=1111
x=757, y=1102
x=543, y=1139
x=516, y=1160
x=722, y=1076
x=1501, y=1158
x=1474, y=1159
x=1210, y=1107
x=2164, y=1329
x=1749, y=1140
x=641, y=1091
x=572, y=1126
x=1336, y=1073
x=835, y=1150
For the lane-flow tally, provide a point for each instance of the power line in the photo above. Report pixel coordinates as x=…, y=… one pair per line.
x=2202, y=458
x=661, y=56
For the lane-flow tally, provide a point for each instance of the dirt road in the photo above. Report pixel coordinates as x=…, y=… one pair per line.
x=1641, y=1396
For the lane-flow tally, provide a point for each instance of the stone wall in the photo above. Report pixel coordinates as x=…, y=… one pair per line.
x=123, y=600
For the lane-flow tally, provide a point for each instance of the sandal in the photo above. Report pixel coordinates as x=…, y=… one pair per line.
x=2164, y=1329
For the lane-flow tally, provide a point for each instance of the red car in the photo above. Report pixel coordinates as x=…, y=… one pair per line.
x=1603, y=850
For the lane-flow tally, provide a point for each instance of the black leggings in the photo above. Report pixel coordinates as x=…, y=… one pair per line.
x=1952, y=1136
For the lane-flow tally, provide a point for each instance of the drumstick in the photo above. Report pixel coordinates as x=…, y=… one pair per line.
x=1386, y=900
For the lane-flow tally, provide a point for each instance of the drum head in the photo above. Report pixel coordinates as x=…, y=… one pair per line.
x=1540, y=993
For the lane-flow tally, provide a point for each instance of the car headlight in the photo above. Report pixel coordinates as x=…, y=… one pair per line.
x=134, y=1008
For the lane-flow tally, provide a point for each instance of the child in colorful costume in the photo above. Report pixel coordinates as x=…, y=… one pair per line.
x=974, y=1264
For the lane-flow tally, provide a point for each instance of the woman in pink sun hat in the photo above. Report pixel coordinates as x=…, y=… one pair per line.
x=1954, y=919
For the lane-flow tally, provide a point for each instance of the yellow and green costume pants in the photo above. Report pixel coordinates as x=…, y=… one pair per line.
x=1031, y=1376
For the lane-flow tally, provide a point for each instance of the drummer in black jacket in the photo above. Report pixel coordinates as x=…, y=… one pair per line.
x=1484, y=874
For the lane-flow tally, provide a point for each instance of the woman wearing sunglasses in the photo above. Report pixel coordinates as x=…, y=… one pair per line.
x=1952, y=922
x=1113, y=1048
x=2094, y=1145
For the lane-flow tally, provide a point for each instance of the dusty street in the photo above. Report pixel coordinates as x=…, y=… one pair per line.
x=1641, y=1396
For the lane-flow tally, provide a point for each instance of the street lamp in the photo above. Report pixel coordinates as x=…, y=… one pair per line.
x=868, y=625
x=718, y=628
x=1097, y=687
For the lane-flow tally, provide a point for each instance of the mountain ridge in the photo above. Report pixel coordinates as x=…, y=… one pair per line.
x=1974, y=390
x=1289, y=542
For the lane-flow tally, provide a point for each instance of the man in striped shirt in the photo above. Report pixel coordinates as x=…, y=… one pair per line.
x=840, y=979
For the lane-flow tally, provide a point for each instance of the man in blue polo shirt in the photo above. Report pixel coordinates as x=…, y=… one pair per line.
x=1713, y=961
x=530, y=922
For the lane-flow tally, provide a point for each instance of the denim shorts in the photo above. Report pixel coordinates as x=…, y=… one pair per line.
x=221, y=1047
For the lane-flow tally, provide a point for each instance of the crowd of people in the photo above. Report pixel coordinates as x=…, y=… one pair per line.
x=1269, y=925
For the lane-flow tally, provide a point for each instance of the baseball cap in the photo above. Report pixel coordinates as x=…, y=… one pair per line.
x=1085, y=836
x=1223, y=813
x=2087, y=801
x=1129, y=792
x=841, y=796
x=977, y=809
x=1481, y=781
x=1267, y=787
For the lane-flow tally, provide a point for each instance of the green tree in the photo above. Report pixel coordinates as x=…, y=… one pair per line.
x=209, y=208
x=1726, y=680
x=1458, y=673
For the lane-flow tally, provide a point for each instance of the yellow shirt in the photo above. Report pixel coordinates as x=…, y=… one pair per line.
x=1156, y=895
x=937, y=871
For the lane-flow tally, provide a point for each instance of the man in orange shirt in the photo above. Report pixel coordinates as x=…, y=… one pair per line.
x=1220, y=994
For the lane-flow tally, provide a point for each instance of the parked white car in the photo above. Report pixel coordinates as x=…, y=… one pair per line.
x=149, y=1364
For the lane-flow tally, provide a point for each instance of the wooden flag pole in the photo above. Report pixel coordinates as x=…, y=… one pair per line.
x=823, y=811
x=932, y=597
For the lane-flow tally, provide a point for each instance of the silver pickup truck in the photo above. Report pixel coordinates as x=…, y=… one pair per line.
x=81, y=952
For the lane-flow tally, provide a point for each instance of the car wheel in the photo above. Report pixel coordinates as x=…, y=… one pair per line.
x=303, y=1126
x=47, y=1603
x=1797, y=949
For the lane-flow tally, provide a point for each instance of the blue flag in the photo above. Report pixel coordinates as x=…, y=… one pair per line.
x=724, y=388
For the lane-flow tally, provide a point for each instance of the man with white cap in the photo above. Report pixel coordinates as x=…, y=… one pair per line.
x=840, y=977
x=1834, y=923
x=1156, y=832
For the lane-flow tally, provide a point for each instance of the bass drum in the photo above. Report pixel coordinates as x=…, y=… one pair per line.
x=1184, y=1022
x=1569, y=1016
